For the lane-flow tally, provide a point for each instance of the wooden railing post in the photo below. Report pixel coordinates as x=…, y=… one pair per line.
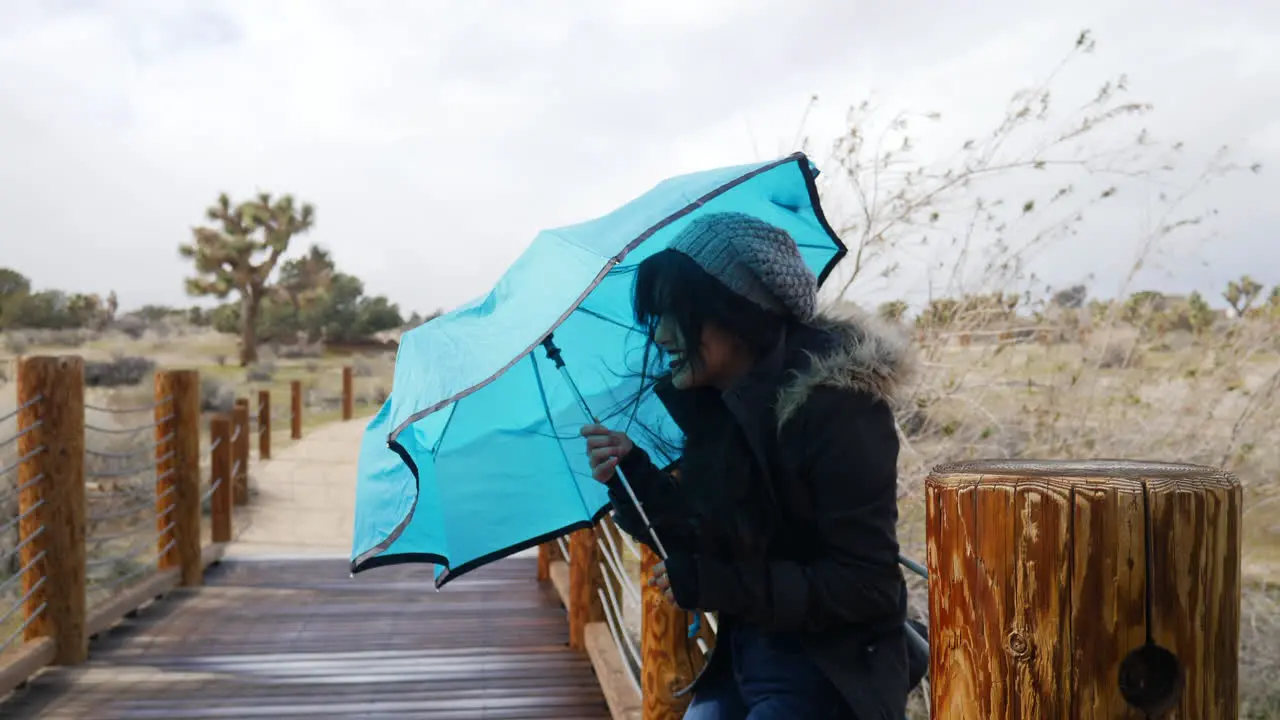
x=177, y=415
x=584, y=581
x=220, y=472
x=240, y=451
x=264, y=424
x=348, y=393
x=664, y=648
x=52, y=502
x=546, y=554
x=295, y=409
x=1083, y=589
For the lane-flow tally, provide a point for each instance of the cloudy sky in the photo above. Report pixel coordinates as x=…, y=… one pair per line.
x=436, y=138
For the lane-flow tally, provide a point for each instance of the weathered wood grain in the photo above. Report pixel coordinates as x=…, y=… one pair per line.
x=1102, y=589
x=301, y=639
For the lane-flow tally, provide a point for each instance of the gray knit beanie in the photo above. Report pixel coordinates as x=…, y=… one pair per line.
x=754, y=259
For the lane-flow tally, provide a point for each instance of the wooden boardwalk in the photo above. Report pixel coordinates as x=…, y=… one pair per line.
x=281, y=630
x=300, y=638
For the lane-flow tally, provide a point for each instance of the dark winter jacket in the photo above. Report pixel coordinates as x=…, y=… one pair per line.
x=815, y=417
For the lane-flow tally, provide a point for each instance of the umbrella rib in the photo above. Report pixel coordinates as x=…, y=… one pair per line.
x=605, y=318
x=546, y=407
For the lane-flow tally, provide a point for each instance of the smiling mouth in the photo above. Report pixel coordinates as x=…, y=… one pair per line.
x=677, y=361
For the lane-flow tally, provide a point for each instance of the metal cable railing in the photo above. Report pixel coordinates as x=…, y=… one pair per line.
x=27, y=577
x=124, y=509
x=620, y=598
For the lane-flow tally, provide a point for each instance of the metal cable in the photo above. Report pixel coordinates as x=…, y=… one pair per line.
x=16, y=463
x=564, y=547
x=30, y=403
x=9, y=525
x=22, y=600
x=214, y=445
x=615, y=564
x=132, y=453
x=23, y=627
x=213, y=487
x=129, y=473
x=8, y=494
x=128, y=430
x=236, y=434
x=134, y=509
x=133, y=575
x=613, y=614
x=22, y=432
x=25, y=542
x=4, y=586
x=121, y=411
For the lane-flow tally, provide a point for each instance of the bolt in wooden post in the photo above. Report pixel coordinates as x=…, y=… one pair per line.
x=664, y=648
x=240, y=452
x=220, y=472
x=584, y=580
x=178, y=473
x=348, y=393
x=51, y=502
x=264, y=424
x=1083, y=589
x=295, y=409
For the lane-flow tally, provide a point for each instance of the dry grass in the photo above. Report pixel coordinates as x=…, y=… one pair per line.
x=1212, y=399
x=120, y=468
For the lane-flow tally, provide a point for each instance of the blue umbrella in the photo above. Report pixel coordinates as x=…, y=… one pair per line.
x=476, y=453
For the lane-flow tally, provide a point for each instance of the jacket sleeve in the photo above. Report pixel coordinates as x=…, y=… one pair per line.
x=663, y=502
x=849, y=463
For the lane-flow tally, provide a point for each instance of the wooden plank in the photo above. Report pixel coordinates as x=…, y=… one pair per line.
x=301, y=639
x=620, y=692
x=18, y=666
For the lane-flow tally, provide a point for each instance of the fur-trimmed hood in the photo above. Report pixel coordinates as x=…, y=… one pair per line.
x=858, y=352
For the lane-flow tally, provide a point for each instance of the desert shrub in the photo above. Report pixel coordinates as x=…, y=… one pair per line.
x=262, y=371
x=118, y=371
x=216, y=395
x=301, y=350
x=131, y=326
x=362, y=368
x=16, y=343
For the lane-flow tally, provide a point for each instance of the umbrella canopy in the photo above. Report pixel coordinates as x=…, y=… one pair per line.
x=476, y=453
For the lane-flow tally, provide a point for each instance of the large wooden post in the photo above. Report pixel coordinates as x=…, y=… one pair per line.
x=348, y=393
x=264, y=424
x=664, y=648
x=1083, y=589
x=51, y=503
x=220, y=472
x=584, y=581
x=240, y=451
x=295, y=409
x=177, y=413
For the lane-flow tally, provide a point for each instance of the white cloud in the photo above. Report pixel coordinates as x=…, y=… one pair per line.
x=437, y=137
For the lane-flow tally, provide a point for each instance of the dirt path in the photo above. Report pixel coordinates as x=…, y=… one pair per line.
x=304, y=501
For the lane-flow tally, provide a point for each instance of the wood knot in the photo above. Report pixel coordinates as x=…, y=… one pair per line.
x=1018, y=645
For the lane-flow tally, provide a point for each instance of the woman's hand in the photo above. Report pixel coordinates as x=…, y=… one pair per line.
x=605, y=449
x=662, y=581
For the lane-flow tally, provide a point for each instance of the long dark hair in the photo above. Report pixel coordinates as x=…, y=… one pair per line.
x=732, y=505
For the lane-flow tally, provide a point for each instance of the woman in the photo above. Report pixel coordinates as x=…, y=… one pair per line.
x=783, y=517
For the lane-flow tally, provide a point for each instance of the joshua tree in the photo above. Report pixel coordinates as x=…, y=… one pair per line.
x=225, y=254
x=1242, y=293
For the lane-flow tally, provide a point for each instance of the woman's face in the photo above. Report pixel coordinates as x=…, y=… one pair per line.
x=722, y=359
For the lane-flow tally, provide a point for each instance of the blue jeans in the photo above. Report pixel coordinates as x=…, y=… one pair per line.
x=772, y=679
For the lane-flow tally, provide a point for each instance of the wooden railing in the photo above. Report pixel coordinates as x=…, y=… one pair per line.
x=76, y=560
x=1056, y=589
